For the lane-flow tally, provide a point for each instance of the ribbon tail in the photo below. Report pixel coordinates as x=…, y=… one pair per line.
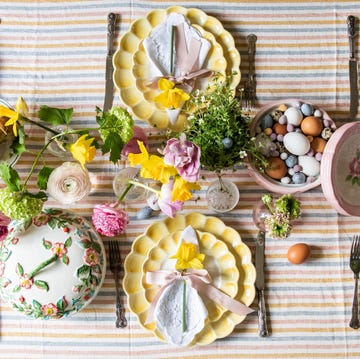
x=219, y=297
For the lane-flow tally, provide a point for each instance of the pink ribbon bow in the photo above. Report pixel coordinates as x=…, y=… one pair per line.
x=199, y=280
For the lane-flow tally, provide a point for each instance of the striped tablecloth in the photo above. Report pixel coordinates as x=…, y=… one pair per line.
x=53, y=53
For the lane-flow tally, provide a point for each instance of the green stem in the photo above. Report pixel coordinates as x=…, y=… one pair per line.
x=184, y=323
x=172, y=50
x=42, y=265
x=139, y=184
x=126, y=190
x=42, y=126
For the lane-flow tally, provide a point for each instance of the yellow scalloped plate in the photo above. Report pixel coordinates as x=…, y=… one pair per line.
x=129, y=44
x=219, y=262
x=215, y=61
x=134, y=285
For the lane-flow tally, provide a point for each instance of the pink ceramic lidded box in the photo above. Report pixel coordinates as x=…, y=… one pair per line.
x=340, y=170
x=283, y=127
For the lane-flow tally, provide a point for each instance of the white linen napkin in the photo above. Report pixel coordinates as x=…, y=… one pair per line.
x=158, y=48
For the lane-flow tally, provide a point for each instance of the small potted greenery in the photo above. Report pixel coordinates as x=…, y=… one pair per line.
x=218, y=124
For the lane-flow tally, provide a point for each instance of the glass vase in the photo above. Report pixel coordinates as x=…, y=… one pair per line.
x=121, y=184
x=222, y=195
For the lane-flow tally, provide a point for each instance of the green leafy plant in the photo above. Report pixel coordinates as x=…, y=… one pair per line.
x=220, y=127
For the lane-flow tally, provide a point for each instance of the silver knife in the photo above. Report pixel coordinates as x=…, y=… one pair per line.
x=353, y=70
x=260, y=282
x=109, y=84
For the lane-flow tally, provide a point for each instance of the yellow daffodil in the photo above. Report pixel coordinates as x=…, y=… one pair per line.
x=188, y=257
x=21, y=109
x=171, y=97
x=139, y=158
x=82, y=150
x=152, y=166
x=182, y=189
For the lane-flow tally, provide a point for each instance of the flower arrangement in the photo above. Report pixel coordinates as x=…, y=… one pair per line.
x=281, y=212
x=115, y=129
x=220, y=127
x=177, y=172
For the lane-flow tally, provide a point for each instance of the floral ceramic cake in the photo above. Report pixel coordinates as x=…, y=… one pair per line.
x=52, y=266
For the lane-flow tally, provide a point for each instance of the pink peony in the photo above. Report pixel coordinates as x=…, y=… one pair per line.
x=184, y=156
x=132, y=146
x=4, y=222
x=109, y=220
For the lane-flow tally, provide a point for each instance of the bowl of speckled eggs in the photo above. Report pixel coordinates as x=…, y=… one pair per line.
x=292, y=134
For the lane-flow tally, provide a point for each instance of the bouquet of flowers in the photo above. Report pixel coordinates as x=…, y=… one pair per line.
x=281, y=212
x=177, y=172
x=115, y=129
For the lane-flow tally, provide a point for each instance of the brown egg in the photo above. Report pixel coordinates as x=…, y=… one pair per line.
x=318, y=144
x=280, y=129
x=277, y=168
x=312, y=126
x=298, y=253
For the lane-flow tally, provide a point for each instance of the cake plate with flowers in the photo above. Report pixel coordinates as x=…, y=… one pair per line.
x=52, y=266
x=149, y=248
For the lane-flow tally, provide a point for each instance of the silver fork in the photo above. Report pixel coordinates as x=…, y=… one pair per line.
x=249, y=94
x=115, y=267
x=355, y=267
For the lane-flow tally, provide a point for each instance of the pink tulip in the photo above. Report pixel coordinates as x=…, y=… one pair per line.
x=132, y=146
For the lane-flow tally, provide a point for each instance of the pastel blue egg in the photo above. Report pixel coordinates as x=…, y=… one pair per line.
x=144, y=213
x=298, y=178
x=307, y=109
x=227, y=142
x=291, y=161
x=267, y=122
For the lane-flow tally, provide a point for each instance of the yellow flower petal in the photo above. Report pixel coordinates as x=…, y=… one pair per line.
x=171, y=97
x=188, y=257
x=138, y=158
x=82, y=150
x=21, y=106
x=165, y=84
x=182, y=189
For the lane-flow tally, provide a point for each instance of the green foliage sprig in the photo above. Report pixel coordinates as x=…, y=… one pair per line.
x=220, y=127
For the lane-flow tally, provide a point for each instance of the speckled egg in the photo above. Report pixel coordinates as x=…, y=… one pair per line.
x=318, y=144
x=280, y=129
x=312, y=126
x=310, y=166
x=294, y=116
x=276, y=168
x=296, y=143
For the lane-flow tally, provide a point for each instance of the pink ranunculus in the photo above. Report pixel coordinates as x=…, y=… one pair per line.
x=109, y=220
x=132, y=146
x=4, y=222
x=184, y=156
x=166, y=205
x=354, y=167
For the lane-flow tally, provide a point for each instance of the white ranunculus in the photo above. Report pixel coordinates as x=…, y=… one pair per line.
x=69, y=183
